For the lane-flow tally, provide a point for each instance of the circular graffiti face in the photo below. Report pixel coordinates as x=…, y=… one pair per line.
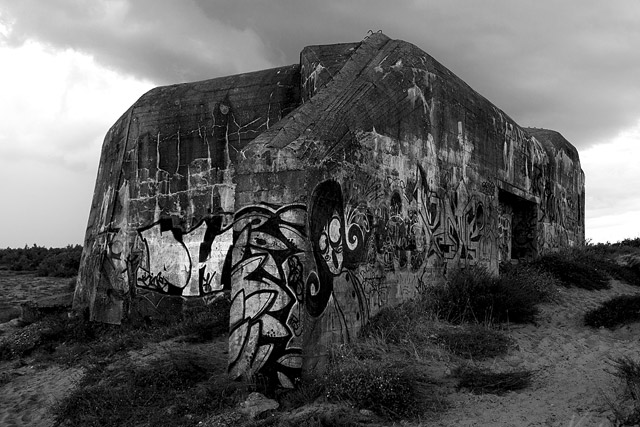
x=330, y=244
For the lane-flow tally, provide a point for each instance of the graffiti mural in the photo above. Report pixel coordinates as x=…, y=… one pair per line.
x=354, y=249
x=266, y=295
x=339, y=241
x=184, y=264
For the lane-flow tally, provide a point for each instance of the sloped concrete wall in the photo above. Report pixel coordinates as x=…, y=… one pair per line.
x=165, y=196
x=368, y=174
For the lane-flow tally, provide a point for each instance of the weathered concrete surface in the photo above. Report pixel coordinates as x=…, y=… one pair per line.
x=165, y=193
x=316, y=194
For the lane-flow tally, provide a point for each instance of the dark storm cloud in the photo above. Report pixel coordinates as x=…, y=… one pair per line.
x=161, y=40
x=570, y=66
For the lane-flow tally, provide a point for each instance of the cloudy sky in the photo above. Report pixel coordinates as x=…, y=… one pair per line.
x=70, y=68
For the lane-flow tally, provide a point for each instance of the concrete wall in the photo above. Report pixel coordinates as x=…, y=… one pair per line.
x=316, y=195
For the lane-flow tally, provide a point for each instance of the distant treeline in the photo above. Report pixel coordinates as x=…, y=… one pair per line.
x=634, y=243
x=54, y=262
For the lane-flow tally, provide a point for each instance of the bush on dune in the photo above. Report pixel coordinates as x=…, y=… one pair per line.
x=589, y=267
x=475, y=295
x=574, y=267
x=480, y=381
x=617, y=311
x=385, y=388
x=627, y=409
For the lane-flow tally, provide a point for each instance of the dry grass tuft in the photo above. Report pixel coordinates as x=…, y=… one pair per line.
x=481, y=381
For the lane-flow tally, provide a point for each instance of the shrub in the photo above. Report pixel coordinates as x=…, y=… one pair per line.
x=381, y=387
x=574, y=267
x=406, y=322
x=480, y=381
x=46, y=334
x=473, y=294
x=608, y=258
x=589, y=267
x=167, y=392
x=196, y=324
x=542, y=285
x=628, y=371
x=61, y=262
x=617, y=311
x=307, y=389
x=633, y=243
x=475, y=342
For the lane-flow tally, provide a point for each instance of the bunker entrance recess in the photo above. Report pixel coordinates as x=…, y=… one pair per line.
x=518, y=227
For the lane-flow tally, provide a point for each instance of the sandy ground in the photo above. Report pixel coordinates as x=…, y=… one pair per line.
x=28, y=397
x=571, y=388
x=573, y=383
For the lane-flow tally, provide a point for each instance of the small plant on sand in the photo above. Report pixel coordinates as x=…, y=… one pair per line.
x=627, y=409
x=480, y=381
x=617, y=311
x=385, y=388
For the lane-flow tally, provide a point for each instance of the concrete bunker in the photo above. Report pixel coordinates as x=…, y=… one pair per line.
x=314, y=195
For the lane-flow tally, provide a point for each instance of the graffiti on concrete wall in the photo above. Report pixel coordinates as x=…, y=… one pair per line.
x=266, y=293
x=339, y=238
x=352, y=250
x=184, y=264
x=505, y=216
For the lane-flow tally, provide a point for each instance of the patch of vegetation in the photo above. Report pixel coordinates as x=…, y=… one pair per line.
x=167, y=392
x=44, y=337
x=409, y=322
x=607, y=257
x=628, y=371
x=202, y=323
x=542, y=285
x=54, y=262
x=389, y=387
x=372, y=374
x=620, y=310
x=573, y=268
x=481, y=381
x=338, y=416
x=308, y=389
x=589, y=267
x=475, y=295
x=373, y=386
x=475, y=342
x=61, y=262
x=67, y=339
x=629, y=242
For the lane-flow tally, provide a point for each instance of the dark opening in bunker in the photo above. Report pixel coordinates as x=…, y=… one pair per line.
x=517, y=227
